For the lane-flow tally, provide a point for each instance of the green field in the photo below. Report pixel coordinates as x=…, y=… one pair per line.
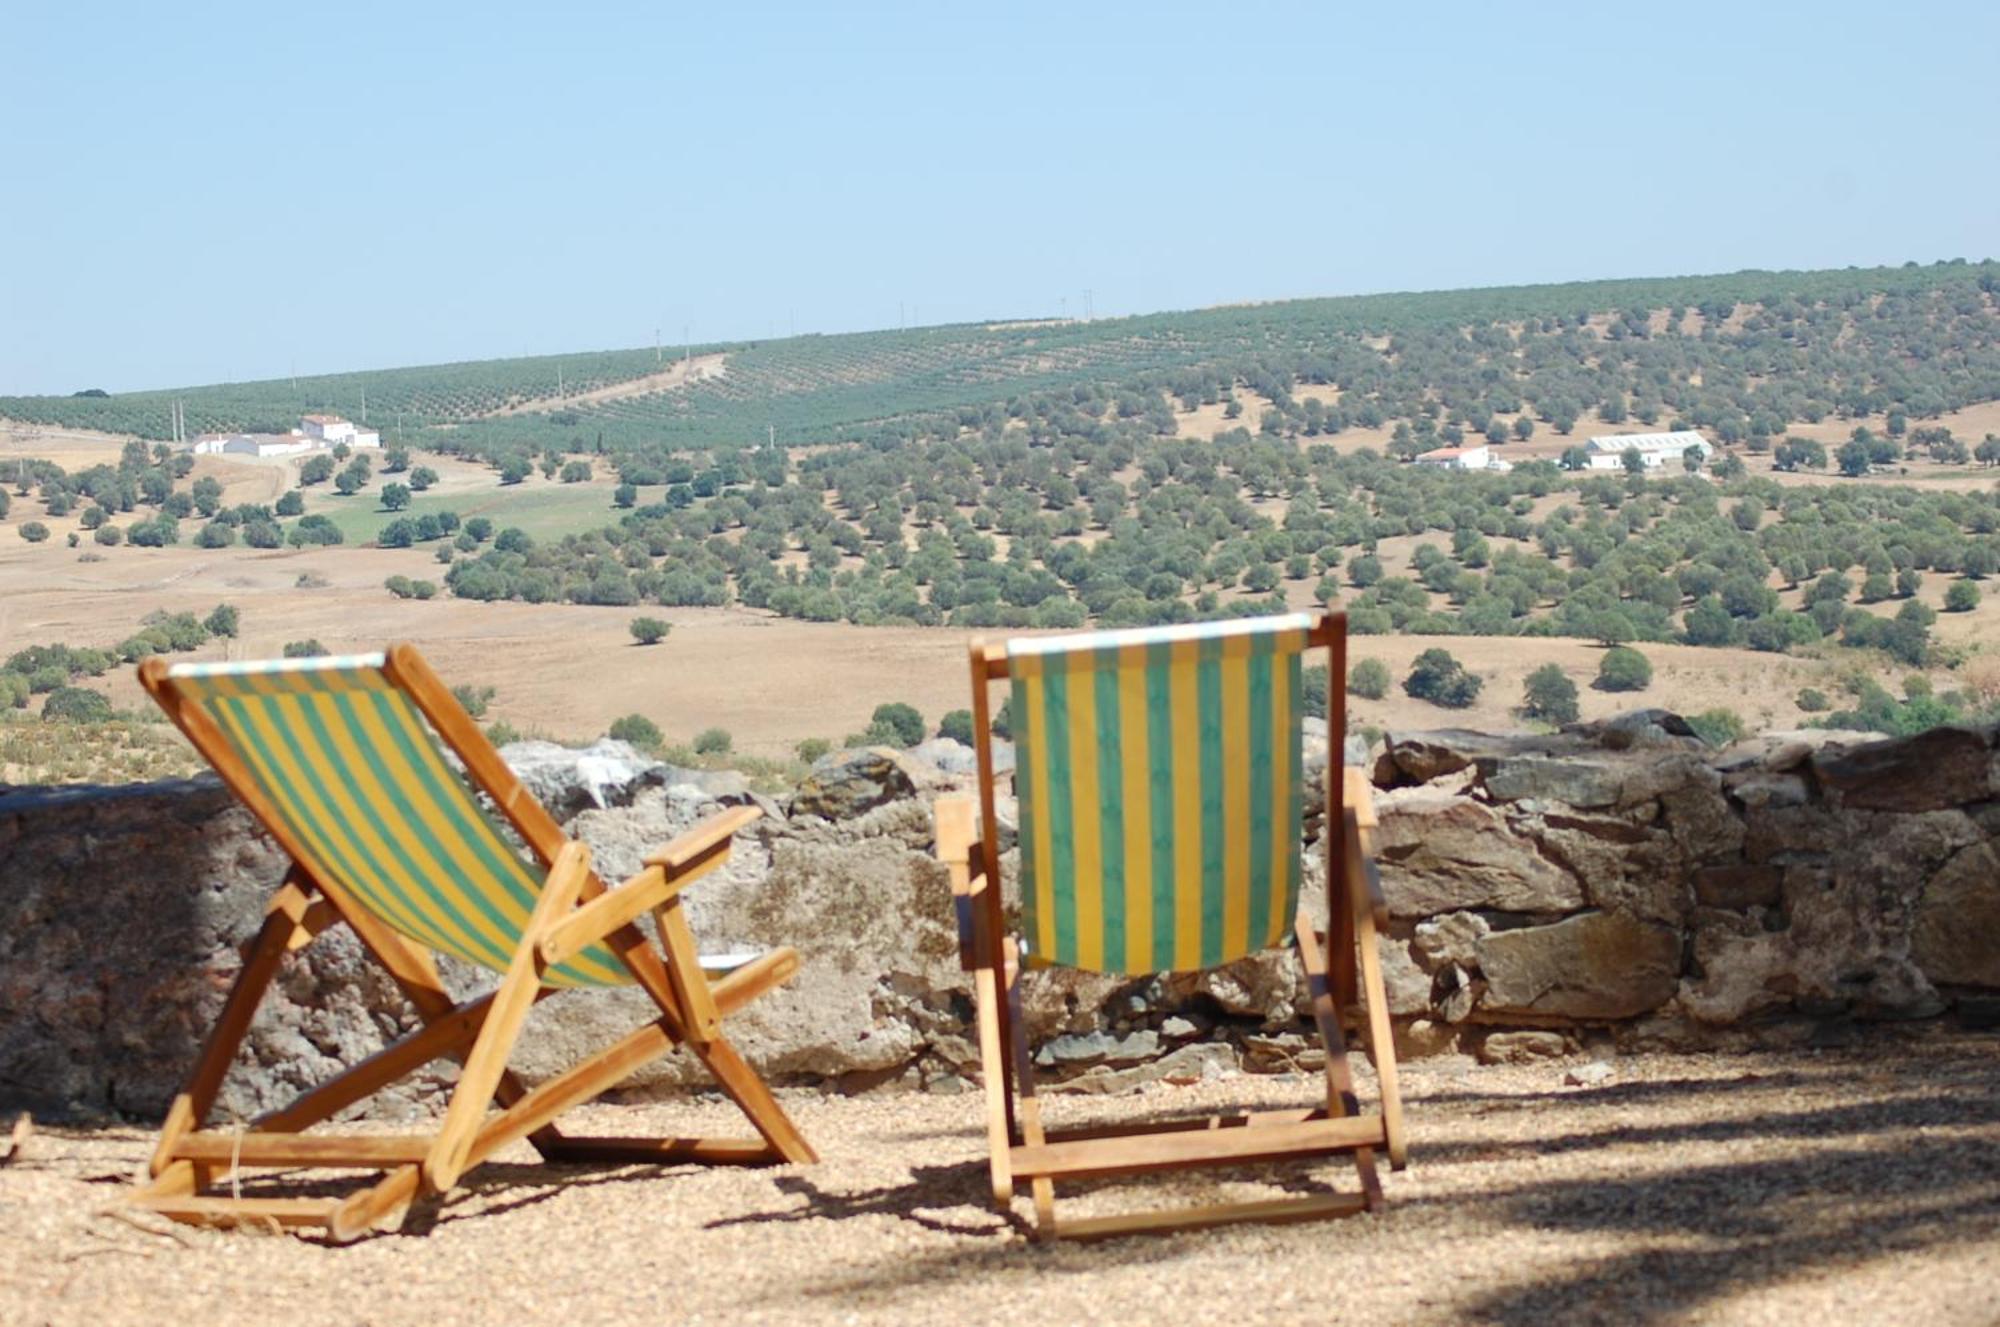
x=543, y=508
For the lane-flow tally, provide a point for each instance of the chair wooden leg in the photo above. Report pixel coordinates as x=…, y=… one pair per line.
x=1028, y=1112
x=994, y=1050
x=484, y=1065
x=1340, y=1097
x=1381, y=1039
x=282, y=917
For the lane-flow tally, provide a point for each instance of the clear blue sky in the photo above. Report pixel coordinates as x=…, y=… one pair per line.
x=202, y=192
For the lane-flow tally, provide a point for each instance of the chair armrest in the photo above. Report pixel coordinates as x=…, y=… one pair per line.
x=669, y=870
x=957, y=846
x=1364, y=882
x=952, y=818
x=710, y=836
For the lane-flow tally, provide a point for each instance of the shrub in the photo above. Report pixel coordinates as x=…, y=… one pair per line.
x=1717, y=727
x=399, y=586
x=1813, y=701
x=14, y=691
x=639, y=730
x=158, y=532
x=290, y=503
x=310, y=648
x=1961, y=597
x=1369, y=679
x=221, y=621
x=812, y=749
x=109, y=535
x=713, y=742
x=650, y=630
x=34, y=531
x=1623, y=669
x=76, y=705
x=1442, y=680
x=1003, y=722
x=472, y=699
x=1549, y=695
x=957, y=725
x=500, y=732
x=896, y=724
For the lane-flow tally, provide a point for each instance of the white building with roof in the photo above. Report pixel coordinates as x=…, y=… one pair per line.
x=268, y=444
x=1607, y=451
x=1472, y=456
x=328, y=429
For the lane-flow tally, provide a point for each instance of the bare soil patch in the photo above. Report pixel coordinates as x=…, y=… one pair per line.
x=680, y=373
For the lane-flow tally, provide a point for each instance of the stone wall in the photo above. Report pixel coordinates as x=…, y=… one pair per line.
x=1612, y=884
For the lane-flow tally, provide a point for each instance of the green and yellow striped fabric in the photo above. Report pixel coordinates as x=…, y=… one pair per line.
x=1158, y=775
x=359, y=779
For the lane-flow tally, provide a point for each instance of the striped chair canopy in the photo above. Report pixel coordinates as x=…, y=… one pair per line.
x=358, y=779
x=1158, y=773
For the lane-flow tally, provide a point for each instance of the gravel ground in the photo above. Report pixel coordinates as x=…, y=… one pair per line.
x=1840, y=1185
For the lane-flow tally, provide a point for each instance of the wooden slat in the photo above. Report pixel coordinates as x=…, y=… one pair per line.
x=1361, y=796
x=241, y=1211
x=442, y=1037
x=704, y=1021
x=666, y=1151
x=952, y=827
x=1270, y=1211
x=578, y=931
x=1364, y=882
x=335, y=1151
x=1141, y=1154
x=1195, y=1124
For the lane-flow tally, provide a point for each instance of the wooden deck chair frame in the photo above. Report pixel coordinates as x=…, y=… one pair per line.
x=573, y=911
x=1343, y=968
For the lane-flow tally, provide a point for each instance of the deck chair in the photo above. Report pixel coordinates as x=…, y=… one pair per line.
x=1158, y=774
x=349, y=763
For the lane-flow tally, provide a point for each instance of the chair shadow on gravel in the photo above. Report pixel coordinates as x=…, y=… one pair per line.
x=515, y=1185
x=1928, y=1180
x=960, y=1187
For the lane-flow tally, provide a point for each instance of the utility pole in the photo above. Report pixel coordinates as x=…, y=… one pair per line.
x=772, y=430
x=1088, y=313
x=559, y=383
x=656, y=345
x=687, y=347
x=364, y=405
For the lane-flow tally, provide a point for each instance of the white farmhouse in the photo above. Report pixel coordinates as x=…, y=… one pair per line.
x=1474, y=456
x=1607, y=452
x=267, y=444
x=329, y=429
x=1477, y=456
